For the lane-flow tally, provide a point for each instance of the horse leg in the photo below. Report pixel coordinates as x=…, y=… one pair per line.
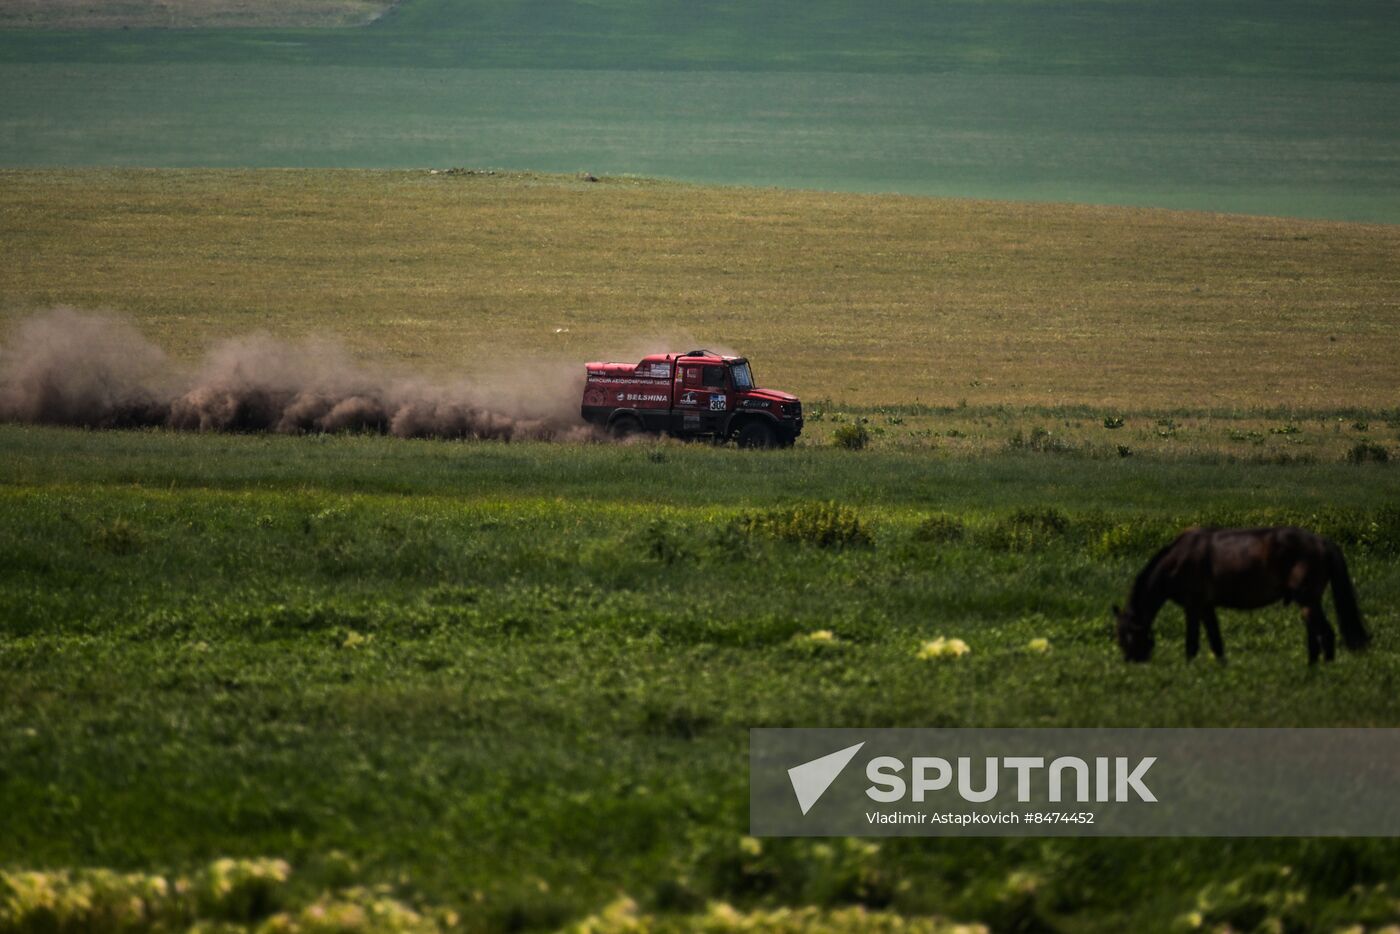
x=1217, y=645
x=1314, y=641
x=1319, y=630
x=1193, y=634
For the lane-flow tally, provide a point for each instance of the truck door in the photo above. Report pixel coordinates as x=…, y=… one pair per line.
x=702, y=397
x=714, y=381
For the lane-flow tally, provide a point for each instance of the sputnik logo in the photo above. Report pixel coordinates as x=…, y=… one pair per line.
x=810, y=780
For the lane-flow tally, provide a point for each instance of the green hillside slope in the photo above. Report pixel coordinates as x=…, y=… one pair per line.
x=1348, y=39
x=1280, y=108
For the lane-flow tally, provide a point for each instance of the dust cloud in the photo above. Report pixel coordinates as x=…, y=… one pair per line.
x=68, y=367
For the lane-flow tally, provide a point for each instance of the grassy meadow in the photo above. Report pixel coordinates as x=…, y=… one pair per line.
x=507, y=686
x=354, y=682
x=868, y=301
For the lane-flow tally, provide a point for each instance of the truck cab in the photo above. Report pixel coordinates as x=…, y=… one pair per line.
x=694, y=394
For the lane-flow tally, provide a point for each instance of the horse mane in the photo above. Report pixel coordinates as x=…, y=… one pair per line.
x=1145, y=575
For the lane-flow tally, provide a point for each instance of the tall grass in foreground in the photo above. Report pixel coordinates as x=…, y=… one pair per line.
x=498, y=685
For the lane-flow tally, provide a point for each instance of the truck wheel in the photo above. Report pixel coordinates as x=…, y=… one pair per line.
x=625, y=427
x=756, y=434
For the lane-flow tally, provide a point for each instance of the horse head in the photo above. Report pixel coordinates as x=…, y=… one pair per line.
x=1134, y=635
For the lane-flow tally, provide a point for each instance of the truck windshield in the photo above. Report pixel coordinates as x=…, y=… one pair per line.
x=743, y=376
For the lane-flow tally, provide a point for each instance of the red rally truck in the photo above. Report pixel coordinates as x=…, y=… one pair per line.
x=690, y=395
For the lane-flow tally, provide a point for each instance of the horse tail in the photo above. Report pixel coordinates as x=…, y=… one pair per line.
x=1354, y=634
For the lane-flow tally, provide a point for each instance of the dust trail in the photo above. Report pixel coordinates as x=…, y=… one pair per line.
x=67, y=367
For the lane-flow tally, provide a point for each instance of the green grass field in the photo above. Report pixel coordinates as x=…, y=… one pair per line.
x=253, y=680
x=514, y=681
x=1268, y=108
x=354, y=683
x=867, y=301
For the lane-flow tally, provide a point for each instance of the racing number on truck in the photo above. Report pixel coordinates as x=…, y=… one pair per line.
x=712, y=378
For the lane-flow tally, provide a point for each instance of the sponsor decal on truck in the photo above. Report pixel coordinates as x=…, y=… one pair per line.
x=620, y=380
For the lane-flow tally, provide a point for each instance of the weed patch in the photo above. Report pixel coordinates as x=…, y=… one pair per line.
x=1041, y=441
x=940, y=528
x=1364, y=452
x=824, y=525
x=852, y=437
x=1027, y=529
x=117, y=537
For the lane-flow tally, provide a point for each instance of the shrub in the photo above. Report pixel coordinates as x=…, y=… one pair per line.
x=117, y=537
x=1138, y=538
x=940, y=527
x=241, y=889
x=826, y=525
x=942, y=647
x=852, y=437
x=816, y=643
x=657, y=542
x=1040, y=441
x=823, y=872
x=1363, y=451
x=1044, y=518
x=228, y=895
x=1264, y=898
x=1027, y=529
x=1376, y=530
x=1017, y=903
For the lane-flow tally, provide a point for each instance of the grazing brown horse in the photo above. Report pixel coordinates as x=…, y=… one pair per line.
x=1242, y=569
